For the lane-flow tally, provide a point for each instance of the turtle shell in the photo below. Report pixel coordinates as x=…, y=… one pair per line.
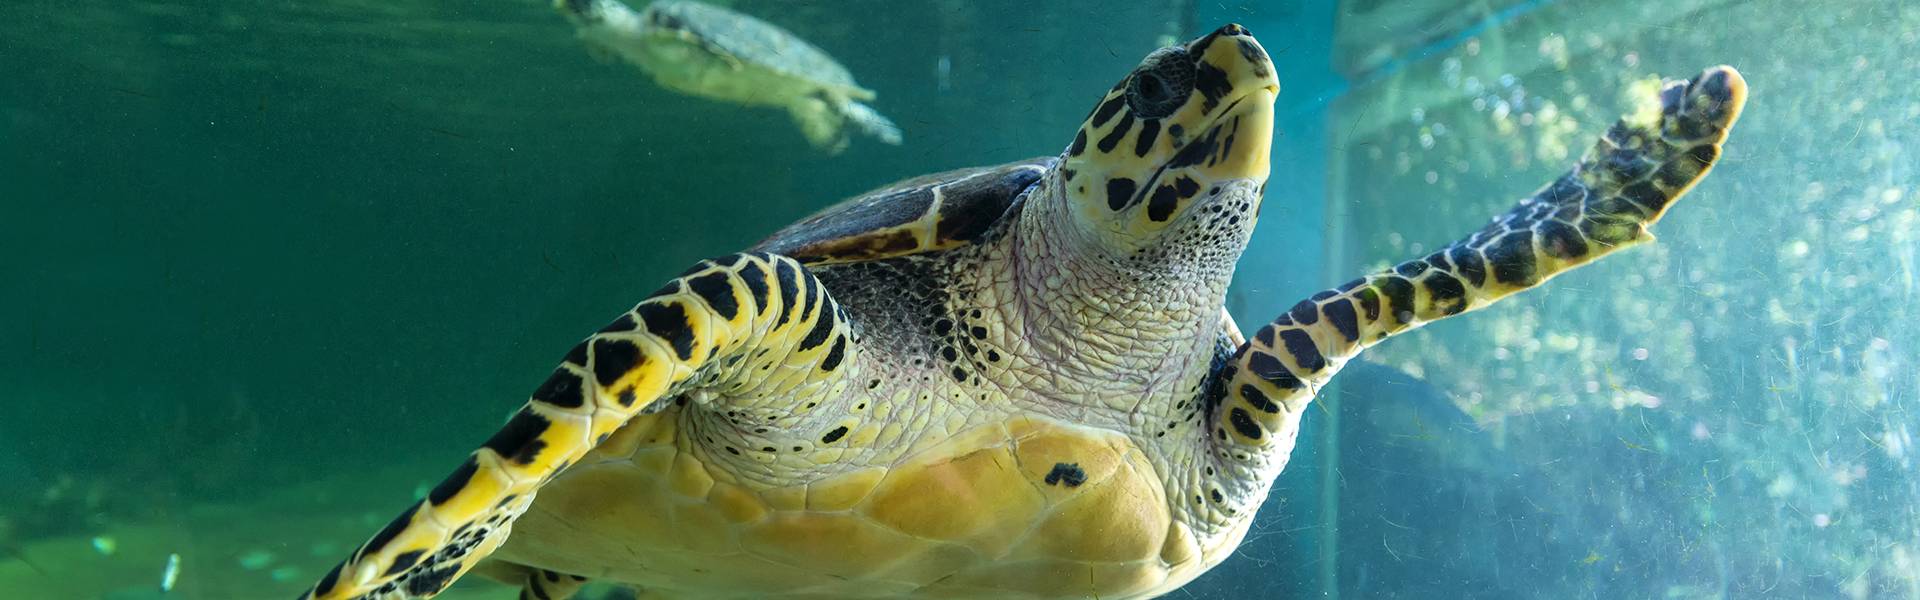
x=923, y=214
x=753, y=41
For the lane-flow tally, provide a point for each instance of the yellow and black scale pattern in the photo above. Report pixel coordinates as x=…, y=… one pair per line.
x=764, y=316
x=1618, y=189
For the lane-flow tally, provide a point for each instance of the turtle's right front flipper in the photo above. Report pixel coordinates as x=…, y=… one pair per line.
x=1633, y=174
x=719, y=313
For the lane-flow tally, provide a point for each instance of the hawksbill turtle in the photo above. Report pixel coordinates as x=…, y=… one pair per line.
x=711, y=52
x=1003, y=382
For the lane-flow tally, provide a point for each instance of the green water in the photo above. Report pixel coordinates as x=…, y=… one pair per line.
x=272, y=267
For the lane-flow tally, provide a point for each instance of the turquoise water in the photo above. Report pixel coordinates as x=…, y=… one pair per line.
x=273, y=267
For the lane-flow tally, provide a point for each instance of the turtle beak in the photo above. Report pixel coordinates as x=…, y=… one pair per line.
x=1234, y=72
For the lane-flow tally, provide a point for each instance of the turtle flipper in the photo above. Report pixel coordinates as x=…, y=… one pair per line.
x=534, y=583
x=720, y=313
x=1605, y=203
x=541, y=584
x=872, y=123
x=821, y=121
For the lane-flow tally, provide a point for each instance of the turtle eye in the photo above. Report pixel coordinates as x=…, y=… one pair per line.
x=1161, y=84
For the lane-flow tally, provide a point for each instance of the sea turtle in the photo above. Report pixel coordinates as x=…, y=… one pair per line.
x=711, y=52
x=1002, y=382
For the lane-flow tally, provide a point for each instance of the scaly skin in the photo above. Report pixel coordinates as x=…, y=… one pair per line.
x=1054, y=409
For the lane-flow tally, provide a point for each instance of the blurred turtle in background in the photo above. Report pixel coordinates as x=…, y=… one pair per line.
x=711, y=52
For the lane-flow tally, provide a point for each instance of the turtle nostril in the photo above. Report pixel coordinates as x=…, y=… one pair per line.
x=1234, y=29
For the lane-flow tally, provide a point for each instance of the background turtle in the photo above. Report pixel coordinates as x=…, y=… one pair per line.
x=712, y=52
x=1004, y=382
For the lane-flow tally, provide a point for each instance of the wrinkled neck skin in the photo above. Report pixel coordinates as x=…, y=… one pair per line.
x=1132, y=324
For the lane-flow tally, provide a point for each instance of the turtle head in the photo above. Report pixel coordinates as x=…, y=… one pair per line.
x=1182, y=140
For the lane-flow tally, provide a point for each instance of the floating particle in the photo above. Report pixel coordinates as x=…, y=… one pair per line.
x=171, y=574
x=256, y=560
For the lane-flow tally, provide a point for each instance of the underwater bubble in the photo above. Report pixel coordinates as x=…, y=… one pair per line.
x=1896, y=443
x=1560, y=342
x=1845, y=475
x=1782, y=485
x=1822, y=520
x=105, y=545
x=1554, y=48
x=1639, y=353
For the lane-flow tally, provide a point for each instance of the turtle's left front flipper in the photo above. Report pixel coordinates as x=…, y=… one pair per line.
x=1625, y=183
x=724, y=316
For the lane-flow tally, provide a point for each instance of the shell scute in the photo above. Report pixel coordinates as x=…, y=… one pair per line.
x=924, y=214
